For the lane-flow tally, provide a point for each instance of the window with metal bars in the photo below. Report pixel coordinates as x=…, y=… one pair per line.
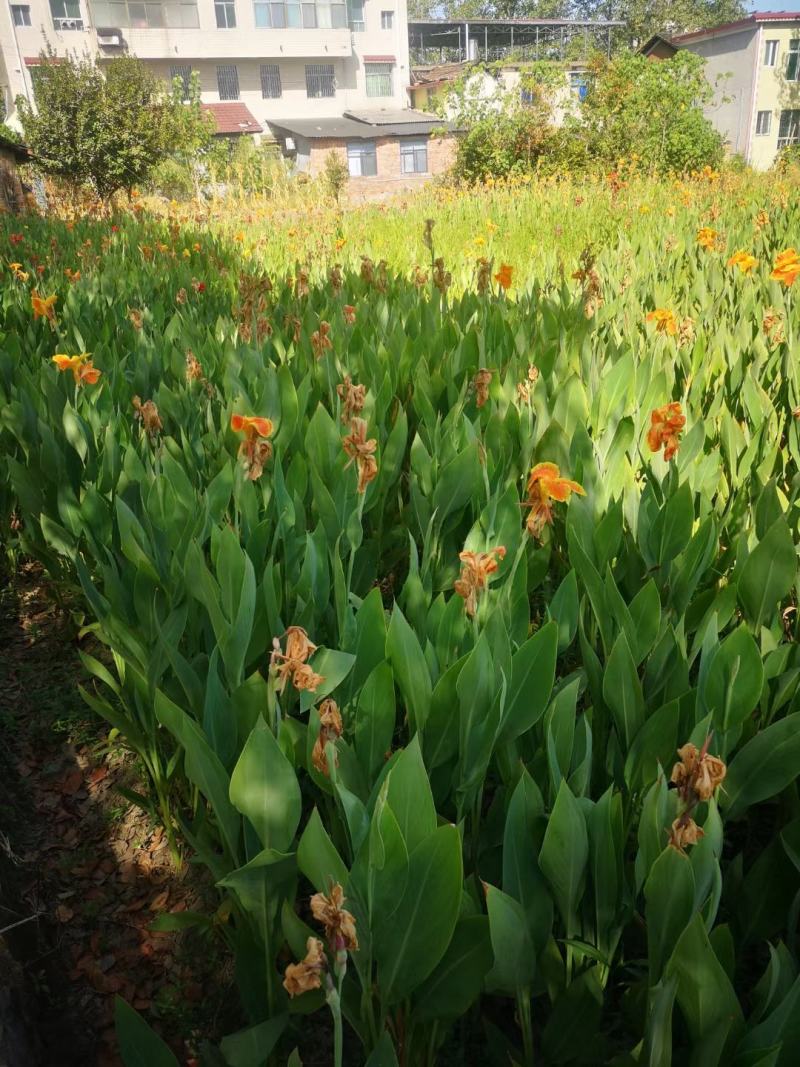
x=184, y=72
x=362, y=159
x=320, y=80
x=793, y=62
x=789, y=128
x=21, y=14
x=228, y=82
x=270, y=81
x=414, y=157
x=226, y=14
x=379, y=78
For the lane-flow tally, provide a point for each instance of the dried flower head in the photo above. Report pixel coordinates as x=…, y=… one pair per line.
x=147, y=414
x=353, y=398
x=442, y=278
x=136, y=318
x=349, y=313
x=481, y=383
x=476, y=568
x=320, y=339
x=330, y=727
x=292, y=665
x=307, y=974
x=684, y=831
x=697, y=775
x=340, y=926
x=772, y=325
x=362, y=451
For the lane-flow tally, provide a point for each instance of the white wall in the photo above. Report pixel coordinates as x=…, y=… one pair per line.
x=732, y=55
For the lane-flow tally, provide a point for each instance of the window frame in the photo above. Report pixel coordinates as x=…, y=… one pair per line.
x=227, y=10
x=793, y=61
x=763, y=132
x=61, y=22
x=792, y=136
x=317, y=75
x=271, y=71
x=355, y=16
x=415, y=148
x=373, y=76
x=361, y=150
x=231, y=71
x=771, y=47
x=25, y=12
x=387, y=20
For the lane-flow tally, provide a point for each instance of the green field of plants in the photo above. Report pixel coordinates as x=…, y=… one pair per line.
x=443, y=560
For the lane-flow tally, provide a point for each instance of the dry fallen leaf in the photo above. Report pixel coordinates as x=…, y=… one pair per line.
x=64, y=914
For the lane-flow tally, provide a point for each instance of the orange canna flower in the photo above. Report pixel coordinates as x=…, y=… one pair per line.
x=787, y=267
x=706, y=237
x=476, y=567
x=666, y=424
x=504, y=276
x=83, y=371
x=254, y=450
x=545, y=484
x=744, y=261
x=44, y=307
x=664, y=320
x=358, y=448
x=349, y=314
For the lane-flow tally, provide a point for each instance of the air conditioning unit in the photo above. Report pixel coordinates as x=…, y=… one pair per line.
x=68, y=24
x=107, y=39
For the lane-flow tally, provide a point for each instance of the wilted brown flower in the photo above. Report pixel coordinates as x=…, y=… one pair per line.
x=358, y=448
x=697, y=775
x=293, y=325
x=307, y=974
x=349, y=313
x=442, y=278
x=427, y=234
x=194, y=368
x=685, y=331
x=320, y=340
x=340, y=926
x=301, y=283
x=330, y=727
x=420, y=277
x=481, y=383
x=367, y=270
x=772, y=325
x=335, y=278
x=353, y=397
x=147, y=414
x=484, y=275
x=476, y=567
x=292, y=664
x=180, y=296
x=684, y=831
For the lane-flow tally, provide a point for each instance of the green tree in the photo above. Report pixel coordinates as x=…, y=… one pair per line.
x=106, y=127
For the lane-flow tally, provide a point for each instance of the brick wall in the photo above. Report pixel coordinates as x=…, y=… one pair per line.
x=11, y=194
x=441, y=153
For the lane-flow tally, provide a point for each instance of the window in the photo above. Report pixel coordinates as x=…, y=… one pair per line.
x=226, y=14
x=789, y=128
x=299, y=14
x=144, y=14
x=379, y=79
x=270, y=81
x=357, y=23
x=21, y=14
x=320, y=80
x=770, y=53
x=414, y=157
x=793, y=62
x=362, y=161
x=185, y=74
x=578, y=84
x=763, y=123
x=228, y=82
x=66, y=14
x=387, y=20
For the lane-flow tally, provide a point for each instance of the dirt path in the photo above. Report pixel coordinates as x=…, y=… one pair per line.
x=83, y=873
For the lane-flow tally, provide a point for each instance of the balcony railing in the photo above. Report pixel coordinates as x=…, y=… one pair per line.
x=68, y=24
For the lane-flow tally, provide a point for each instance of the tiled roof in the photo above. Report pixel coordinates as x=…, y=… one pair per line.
x=741, y=24
x=379, y=59
x=233, y=117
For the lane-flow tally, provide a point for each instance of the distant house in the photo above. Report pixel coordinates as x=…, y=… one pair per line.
x=402, y=147
x=12, y=195
x=658, y=47
x=431, y=86
x=759, y=56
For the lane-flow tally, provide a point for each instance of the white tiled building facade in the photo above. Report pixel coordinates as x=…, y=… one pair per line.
x=282, y=59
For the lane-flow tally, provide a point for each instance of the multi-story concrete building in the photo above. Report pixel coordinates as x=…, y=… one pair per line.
x=758, y=107
x=261, y=63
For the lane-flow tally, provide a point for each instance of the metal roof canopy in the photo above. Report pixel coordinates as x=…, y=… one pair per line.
x=358, y=129
x=490, y=39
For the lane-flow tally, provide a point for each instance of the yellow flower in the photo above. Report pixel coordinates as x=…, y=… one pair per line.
x=83, y=371
x=706, y=237
x=545, y=484
x=664, y=320
x=787, y=267
x=743, y=260
x=44, y=307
